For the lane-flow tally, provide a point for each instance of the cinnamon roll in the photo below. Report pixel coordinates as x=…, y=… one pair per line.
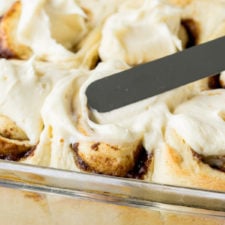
x=138, y=34
x=193, y=151
x=39, y=29
x=24, y=87
x=52, y=50
x=55, y=122
x=197, y=14
x=10, y=47
x=78, y=142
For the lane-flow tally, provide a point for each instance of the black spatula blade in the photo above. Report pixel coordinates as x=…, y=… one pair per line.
x=158, y=76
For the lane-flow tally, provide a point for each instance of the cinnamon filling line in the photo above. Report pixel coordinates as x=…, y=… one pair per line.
x=214, y=161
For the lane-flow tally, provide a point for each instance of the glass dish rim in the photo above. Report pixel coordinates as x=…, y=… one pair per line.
x=112, y=190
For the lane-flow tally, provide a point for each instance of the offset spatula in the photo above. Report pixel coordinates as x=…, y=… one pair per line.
x=158, y=76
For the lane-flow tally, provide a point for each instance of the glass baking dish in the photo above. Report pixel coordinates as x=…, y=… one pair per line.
x=38, y=195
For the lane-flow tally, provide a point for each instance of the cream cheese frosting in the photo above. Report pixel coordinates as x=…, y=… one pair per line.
x=51, y=28
x=47, y=99
x=72, y=122
x=69, y=119
x=137, y=35
x=200, y=11
x=97, y=11
x=24, y=86
x=200, y=123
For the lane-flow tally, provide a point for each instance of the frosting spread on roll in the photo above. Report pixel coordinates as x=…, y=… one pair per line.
x=51, y=30
x=77, y=127
x=137, y=35
x=43, y=105
x=97, y=11
x=24, y=86
x=191, y=153
x=200, y=122
x=199, y=11
x=105, y=137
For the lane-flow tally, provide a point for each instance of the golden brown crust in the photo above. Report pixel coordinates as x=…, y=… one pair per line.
x=9, y=46
x=104, y=158
x=11, y=147
x=178, y=165
x=14, y=143
x=197, y=173
x=9, y=129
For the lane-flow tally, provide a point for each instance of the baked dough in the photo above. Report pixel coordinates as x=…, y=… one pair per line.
x=206, y=29
x=194, y=133
x=36, y=29
x=9, y=45
x=60, y=47
x=55, y=121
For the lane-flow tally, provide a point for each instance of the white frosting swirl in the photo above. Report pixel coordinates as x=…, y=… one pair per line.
x=200, y=122
x=98, y=10
x=200, y=11
x=142, y=34
x=24, y=86
x=48, y=101
x=59, y=95
x=73, y=109
x=72, y=120
x=51, y=28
